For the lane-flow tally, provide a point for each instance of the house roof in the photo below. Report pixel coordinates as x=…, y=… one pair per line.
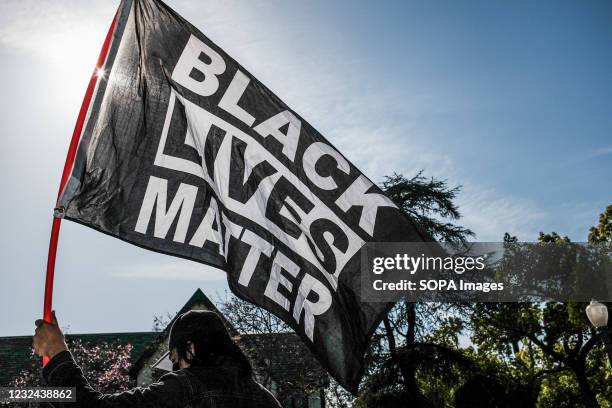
x=15, y=352
x=286, y=358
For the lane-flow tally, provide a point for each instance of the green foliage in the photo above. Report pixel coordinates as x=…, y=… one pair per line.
x=603, y=231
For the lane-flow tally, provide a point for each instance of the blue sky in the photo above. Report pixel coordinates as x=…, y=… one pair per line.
x=512, y=100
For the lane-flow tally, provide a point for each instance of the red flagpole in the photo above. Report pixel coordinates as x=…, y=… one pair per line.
x=68, y=166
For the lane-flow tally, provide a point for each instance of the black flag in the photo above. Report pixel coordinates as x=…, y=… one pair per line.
x=184, y=152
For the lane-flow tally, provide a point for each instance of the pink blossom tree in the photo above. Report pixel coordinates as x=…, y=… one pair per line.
x=106, y=366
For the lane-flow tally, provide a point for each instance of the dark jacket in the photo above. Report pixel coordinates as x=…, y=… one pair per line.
x=222, y=386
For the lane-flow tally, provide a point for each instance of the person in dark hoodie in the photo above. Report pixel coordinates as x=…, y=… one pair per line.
x=209, y=370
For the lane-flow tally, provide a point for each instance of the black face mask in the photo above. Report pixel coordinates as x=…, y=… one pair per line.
x=182, y=352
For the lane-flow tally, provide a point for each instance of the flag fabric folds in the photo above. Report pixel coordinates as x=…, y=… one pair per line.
x=184, y=152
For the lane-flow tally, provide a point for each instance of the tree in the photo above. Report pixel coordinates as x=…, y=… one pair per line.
x=429, y=202
x=106, y=366
x=249, y=318
x=405, y=358
x=603, y=231
x=550, y=347
x=160, y=322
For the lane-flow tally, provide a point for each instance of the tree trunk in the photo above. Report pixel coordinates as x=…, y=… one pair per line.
x=411, y=317
x=587, y=394
x=407, y=370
